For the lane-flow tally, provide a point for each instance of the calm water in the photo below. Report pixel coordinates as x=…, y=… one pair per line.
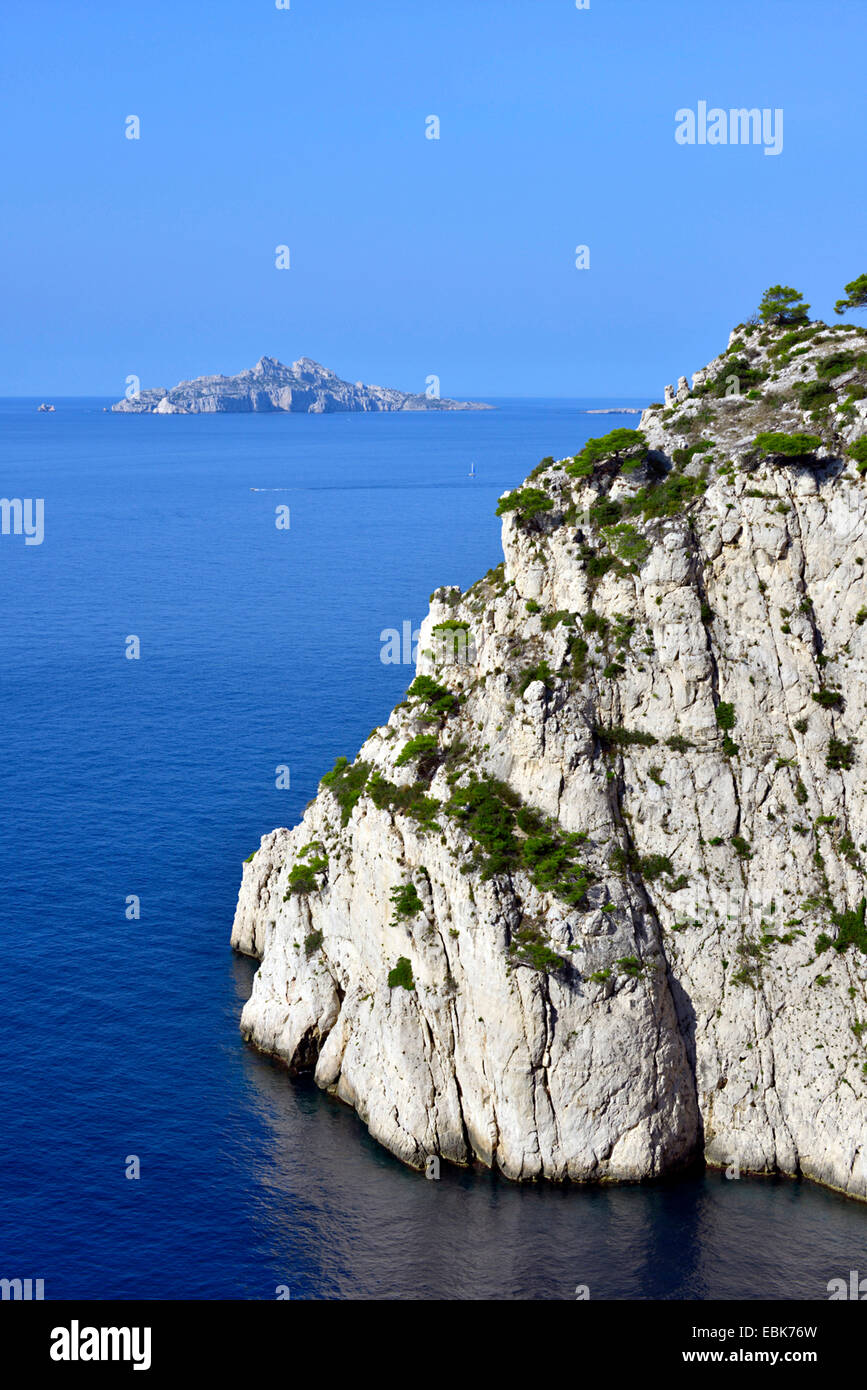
x=155, y=777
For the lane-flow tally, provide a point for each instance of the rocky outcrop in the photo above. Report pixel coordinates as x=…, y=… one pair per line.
x=591, y=903
x=270, y=386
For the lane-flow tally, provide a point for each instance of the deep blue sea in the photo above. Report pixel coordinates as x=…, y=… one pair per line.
x=156, y=777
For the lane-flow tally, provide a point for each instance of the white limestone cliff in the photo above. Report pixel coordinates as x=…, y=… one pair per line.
x=630, y=853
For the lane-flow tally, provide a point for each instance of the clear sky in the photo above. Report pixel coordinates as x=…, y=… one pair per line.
x=410, y=256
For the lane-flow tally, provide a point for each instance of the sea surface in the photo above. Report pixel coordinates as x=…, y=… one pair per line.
x=155, y=777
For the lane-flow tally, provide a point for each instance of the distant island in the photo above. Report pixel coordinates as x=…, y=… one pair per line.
x=305, y=387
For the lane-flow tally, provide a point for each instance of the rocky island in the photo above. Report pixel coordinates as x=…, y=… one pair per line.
x=591, y=904
x=305, y=387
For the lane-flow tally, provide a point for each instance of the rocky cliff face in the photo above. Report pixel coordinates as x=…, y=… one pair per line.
x=591, y=903
x=270, y=386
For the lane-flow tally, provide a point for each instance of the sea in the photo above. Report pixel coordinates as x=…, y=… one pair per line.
x=205, y=609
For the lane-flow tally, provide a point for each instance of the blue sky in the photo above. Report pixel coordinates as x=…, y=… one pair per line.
x=409, y=256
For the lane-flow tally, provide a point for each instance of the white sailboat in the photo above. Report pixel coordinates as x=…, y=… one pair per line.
x=472, y=472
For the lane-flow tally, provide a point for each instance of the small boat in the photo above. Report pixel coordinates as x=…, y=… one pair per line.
x=472, y=472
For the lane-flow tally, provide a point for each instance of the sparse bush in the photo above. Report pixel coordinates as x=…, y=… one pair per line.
x=627, y=447
x=815, y=395
x=850, y=928
x=828, y=699
x=346, y=784
x=302, y=878
x=787, y=446
x=436, y=699
x=540, y=672
x=401, y=975
x=841, y=755
x=530, y=948
x=420, y=747
x=618, y=737
x=527, y=502
x=858, y=452
x=406, y=900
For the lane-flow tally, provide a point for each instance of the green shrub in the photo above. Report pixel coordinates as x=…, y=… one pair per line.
x=437, y=699
x=790, y=446
x=542, y=466
x=828, y=699
x=528, y=502
x=487, y=812
x=841, y=756
x=346, y=784
x=668, y=497
x=490, y=812
x=552, y=620
x=678, y=743
x=858, y=452
x=578, y=649
x=453, y=640
x=540, y=672
x=618, y=737
x=684, y=456
x=312, y=943
x=815, y=395
x=783, y=345
x=605, y=512
x=629, y=544
x=725, y=715
x=417, y=747
x=653, y=866
x=401, y=975
x=598, y=565
x=406, y=801
x=836, y=363
x=530, y=948
x=302, y=878
x=850, y=928
x=627, y=447
x=741, y=847
x=631, y=966
x=406, y=900
x=594, y=622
